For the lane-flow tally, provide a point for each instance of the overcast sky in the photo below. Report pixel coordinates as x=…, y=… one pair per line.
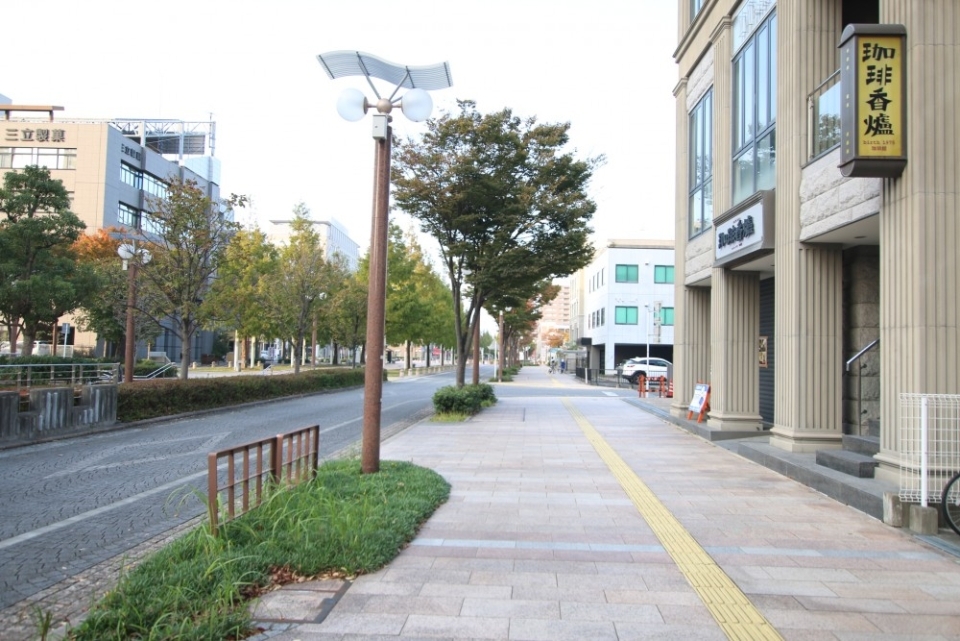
x=605, y=66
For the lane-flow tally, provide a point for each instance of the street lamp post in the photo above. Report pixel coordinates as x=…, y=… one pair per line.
x=352, y=105
x=132, y=257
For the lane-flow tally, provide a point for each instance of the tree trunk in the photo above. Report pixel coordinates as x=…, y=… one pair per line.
x=476, y=353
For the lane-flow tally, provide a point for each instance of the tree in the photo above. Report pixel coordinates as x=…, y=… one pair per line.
x=40, y=278
x=237, y=298
x=346, y=315
x=506, y=205
x=297, y=288
x=105, y=311
x=192, y=234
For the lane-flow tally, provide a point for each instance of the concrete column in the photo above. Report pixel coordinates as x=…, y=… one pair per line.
x=735, y=388
x=809, y=373
x=9, y=409
x=809, y=280
x=691, y=351
x=919, y=232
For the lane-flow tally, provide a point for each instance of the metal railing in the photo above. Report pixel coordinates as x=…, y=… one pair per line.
x=73, y=374
x=850, y=361
x=823, y=109
x=239, y=478
x=929, y=445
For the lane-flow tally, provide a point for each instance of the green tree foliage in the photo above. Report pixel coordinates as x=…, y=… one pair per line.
x=105, y=311
x=419, y=306
x=296, y=290
x=238, y=297
x=345, y=316
x=193, y=232
x=40, y=278
x=507, y=205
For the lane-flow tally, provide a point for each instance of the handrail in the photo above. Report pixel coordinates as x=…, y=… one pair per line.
x=870, y=345
x=157, y=372
x=850, y=362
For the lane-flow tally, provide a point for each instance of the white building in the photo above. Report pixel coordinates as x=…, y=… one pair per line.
x=333, y=236
x=622, y=303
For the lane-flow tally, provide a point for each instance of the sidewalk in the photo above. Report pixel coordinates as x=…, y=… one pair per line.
x=583, y=518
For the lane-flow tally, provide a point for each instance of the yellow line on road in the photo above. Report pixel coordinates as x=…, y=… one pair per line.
x=731, y=608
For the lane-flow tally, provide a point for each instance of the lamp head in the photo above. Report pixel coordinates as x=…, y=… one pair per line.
x=416, y=105
x=126, y=251
x=352, y=105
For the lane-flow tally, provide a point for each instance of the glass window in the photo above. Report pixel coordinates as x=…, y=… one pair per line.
x=627, y=273
x=701, y=165
x=695, y=7
x=663, y=274
x=603, y=316
x=625, y=315
x=128, y=216
x=666, y=316
x=755, y=106
x=49, y=157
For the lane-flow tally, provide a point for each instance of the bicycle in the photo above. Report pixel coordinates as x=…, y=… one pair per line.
x=950, y=503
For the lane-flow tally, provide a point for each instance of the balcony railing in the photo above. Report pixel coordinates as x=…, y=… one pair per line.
x=823, y=108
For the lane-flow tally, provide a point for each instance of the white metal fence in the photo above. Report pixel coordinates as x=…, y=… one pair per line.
x=929, y=445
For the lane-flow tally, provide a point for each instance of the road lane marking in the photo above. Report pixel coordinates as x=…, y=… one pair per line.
x=730, y=607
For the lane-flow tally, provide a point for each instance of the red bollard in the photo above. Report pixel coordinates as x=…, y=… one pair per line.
x=641, y=386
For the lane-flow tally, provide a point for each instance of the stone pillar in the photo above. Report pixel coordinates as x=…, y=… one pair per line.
x=735, y=387
x=919, y=232
x=809, y=370
x=809, y=280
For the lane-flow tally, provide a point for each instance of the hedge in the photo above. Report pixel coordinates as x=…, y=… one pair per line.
x=153, y=398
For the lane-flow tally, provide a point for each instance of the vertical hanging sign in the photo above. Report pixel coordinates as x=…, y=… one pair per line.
x=873, y=107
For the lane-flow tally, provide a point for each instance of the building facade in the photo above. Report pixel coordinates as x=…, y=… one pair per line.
x=333, y=235
x=554, y=322
x=810, y=299
x=624, y=307
x=111, y=169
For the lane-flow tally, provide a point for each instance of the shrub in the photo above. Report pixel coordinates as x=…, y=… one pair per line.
x=149, y=399
x=468, y=399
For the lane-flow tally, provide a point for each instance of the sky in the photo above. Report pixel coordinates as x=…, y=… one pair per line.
x=604, y=66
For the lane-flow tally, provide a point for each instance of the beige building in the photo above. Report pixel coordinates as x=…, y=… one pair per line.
x=112, y=169
x=789, y=268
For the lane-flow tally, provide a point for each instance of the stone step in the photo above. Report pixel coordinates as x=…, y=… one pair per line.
x=851, y=463
x=867, y=445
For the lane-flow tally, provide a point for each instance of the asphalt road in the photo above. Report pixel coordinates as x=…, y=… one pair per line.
x=71, y=504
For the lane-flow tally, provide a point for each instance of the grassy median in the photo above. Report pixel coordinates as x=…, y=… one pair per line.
x=343, y=523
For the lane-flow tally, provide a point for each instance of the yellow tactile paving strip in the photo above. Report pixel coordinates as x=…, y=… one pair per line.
x=737, y=617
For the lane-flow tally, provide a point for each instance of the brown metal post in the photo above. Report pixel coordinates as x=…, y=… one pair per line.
x=213, y=494
x=376, y=310
x=131, y=342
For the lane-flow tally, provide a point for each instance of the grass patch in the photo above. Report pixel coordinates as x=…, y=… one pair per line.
x=343, y=523
x=449, y=417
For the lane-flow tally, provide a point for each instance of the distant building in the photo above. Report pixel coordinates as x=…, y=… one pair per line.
x=622, y=303
x=555, y=319
x=111, y=168
x=333, y=235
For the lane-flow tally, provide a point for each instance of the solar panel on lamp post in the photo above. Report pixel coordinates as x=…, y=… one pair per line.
x=352, y=105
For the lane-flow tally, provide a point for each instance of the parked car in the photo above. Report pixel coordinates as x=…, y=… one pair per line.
x=652, y=367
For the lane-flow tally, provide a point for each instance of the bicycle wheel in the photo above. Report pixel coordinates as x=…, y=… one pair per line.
x=950, y=503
